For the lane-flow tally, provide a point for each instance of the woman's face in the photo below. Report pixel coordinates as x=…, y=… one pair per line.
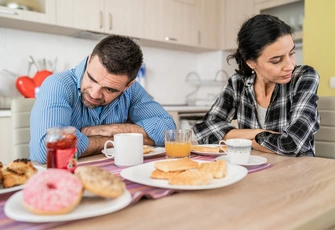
x=276, y=62
x=98, y=87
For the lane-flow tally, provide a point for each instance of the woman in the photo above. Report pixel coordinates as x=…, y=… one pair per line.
x=273, y=100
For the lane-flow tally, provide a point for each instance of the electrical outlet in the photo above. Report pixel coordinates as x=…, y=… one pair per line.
x=332, y=82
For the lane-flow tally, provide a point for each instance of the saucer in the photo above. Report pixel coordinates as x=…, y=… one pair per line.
x=253, y=160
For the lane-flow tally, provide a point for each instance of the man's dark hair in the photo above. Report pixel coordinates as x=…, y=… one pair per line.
x=119, y=55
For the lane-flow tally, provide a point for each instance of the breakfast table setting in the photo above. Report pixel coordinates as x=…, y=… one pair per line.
x=282, y=193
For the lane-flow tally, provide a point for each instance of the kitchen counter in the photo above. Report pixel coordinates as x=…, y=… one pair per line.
x=186, y=108
x=169, y=108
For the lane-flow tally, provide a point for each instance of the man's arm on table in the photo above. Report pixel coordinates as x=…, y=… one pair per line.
x=99, y=134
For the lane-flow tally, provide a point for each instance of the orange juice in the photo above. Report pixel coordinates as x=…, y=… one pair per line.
x=177, y=149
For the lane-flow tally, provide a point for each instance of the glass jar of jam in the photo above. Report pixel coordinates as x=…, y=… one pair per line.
x=61, y=145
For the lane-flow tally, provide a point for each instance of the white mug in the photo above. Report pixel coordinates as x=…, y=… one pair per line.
x=128, y=149
x=238, y=150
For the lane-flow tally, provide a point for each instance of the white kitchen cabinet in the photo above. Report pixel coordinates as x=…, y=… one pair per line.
x=234, y=13
x=290, y=11
x=84, y=15
x=207, y=19
x=40, y=11
x=124, y=17
x=88, y=15
x=172, y=21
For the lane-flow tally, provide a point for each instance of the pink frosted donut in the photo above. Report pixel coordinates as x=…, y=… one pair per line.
x=52, y=192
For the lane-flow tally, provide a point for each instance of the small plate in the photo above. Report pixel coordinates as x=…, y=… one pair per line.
x=16, y=188
x=157, y=151
x=209, y=153
x=88, y=207
x=253, y=160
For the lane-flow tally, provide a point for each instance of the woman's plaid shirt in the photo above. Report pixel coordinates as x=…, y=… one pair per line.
x=292, y=112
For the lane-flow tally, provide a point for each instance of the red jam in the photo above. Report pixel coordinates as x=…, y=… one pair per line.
x=61, y=145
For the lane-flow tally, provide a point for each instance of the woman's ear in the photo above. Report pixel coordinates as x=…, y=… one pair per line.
x=251, y=64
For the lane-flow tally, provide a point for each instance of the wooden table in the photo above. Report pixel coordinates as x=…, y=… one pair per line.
x=296, y=193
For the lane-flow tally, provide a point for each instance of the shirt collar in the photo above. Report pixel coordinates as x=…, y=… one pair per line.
x=79, y=72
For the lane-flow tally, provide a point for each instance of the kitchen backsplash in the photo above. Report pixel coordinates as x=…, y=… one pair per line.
x=166, y=70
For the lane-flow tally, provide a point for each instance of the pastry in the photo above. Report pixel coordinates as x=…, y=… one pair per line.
x=52, y=192
x=100, y=182
x=176, y=165
x=17, y=172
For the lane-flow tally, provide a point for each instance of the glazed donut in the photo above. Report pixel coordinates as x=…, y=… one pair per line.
x=52, y=192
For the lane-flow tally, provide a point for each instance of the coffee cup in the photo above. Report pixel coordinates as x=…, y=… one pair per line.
x=238, y=150
x=128, y=149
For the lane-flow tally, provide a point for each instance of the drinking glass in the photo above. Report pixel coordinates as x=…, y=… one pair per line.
x=178, y=143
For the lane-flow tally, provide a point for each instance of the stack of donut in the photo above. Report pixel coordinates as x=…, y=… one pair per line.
x=58, y=191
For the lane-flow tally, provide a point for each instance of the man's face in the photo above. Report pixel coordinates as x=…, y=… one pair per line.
x=98, y=87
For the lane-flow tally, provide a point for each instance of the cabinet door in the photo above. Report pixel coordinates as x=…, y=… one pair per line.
x=125, y=17
x=235, y=12
x=88, y=15
x=290, y=11
x=207, y=19
x=64, y=15
x=43, y=11
x=171, y=21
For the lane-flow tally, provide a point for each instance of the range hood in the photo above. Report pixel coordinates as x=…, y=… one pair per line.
x=89, y=35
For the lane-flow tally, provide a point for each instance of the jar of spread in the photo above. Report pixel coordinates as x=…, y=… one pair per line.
x=61, y=145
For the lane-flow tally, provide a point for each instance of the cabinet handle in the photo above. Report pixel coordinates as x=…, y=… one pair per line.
x=171, y=39
x=101, y=20
x=199, y=37
x=110, y=21
x=8, y=12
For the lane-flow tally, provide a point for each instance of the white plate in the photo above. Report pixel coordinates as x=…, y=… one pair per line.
x=157, y=151
x=209, y=153
x=88, y=207
x=141, y=174
x=16, y=188
x=253, y=160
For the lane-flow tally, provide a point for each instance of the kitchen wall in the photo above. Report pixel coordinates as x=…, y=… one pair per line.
x=166, y=69
x=319, y=42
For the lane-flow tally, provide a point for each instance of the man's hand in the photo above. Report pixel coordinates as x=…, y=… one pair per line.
x=108, y=131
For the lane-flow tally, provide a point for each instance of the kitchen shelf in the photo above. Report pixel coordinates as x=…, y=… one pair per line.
x=207, y=83
x=198, y=83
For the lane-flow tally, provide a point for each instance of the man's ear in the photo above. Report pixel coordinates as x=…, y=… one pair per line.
x=129, y=84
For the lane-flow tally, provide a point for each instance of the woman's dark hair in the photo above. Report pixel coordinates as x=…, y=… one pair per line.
x=255, y=34
x=119, y=55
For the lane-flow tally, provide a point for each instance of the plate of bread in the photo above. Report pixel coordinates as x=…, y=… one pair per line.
x=148, y=151
x=185, y=174
x=208, y=150
x=14, y=175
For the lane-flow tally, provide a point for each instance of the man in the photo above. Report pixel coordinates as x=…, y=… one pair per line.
x=99, y=97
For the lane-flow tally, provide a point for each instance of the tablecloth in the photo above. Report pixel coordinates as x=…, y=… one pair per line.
x=137, y=191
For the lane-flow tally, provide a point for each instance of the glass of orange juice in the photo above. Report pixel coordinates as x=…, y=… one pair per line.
x=178, y=143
